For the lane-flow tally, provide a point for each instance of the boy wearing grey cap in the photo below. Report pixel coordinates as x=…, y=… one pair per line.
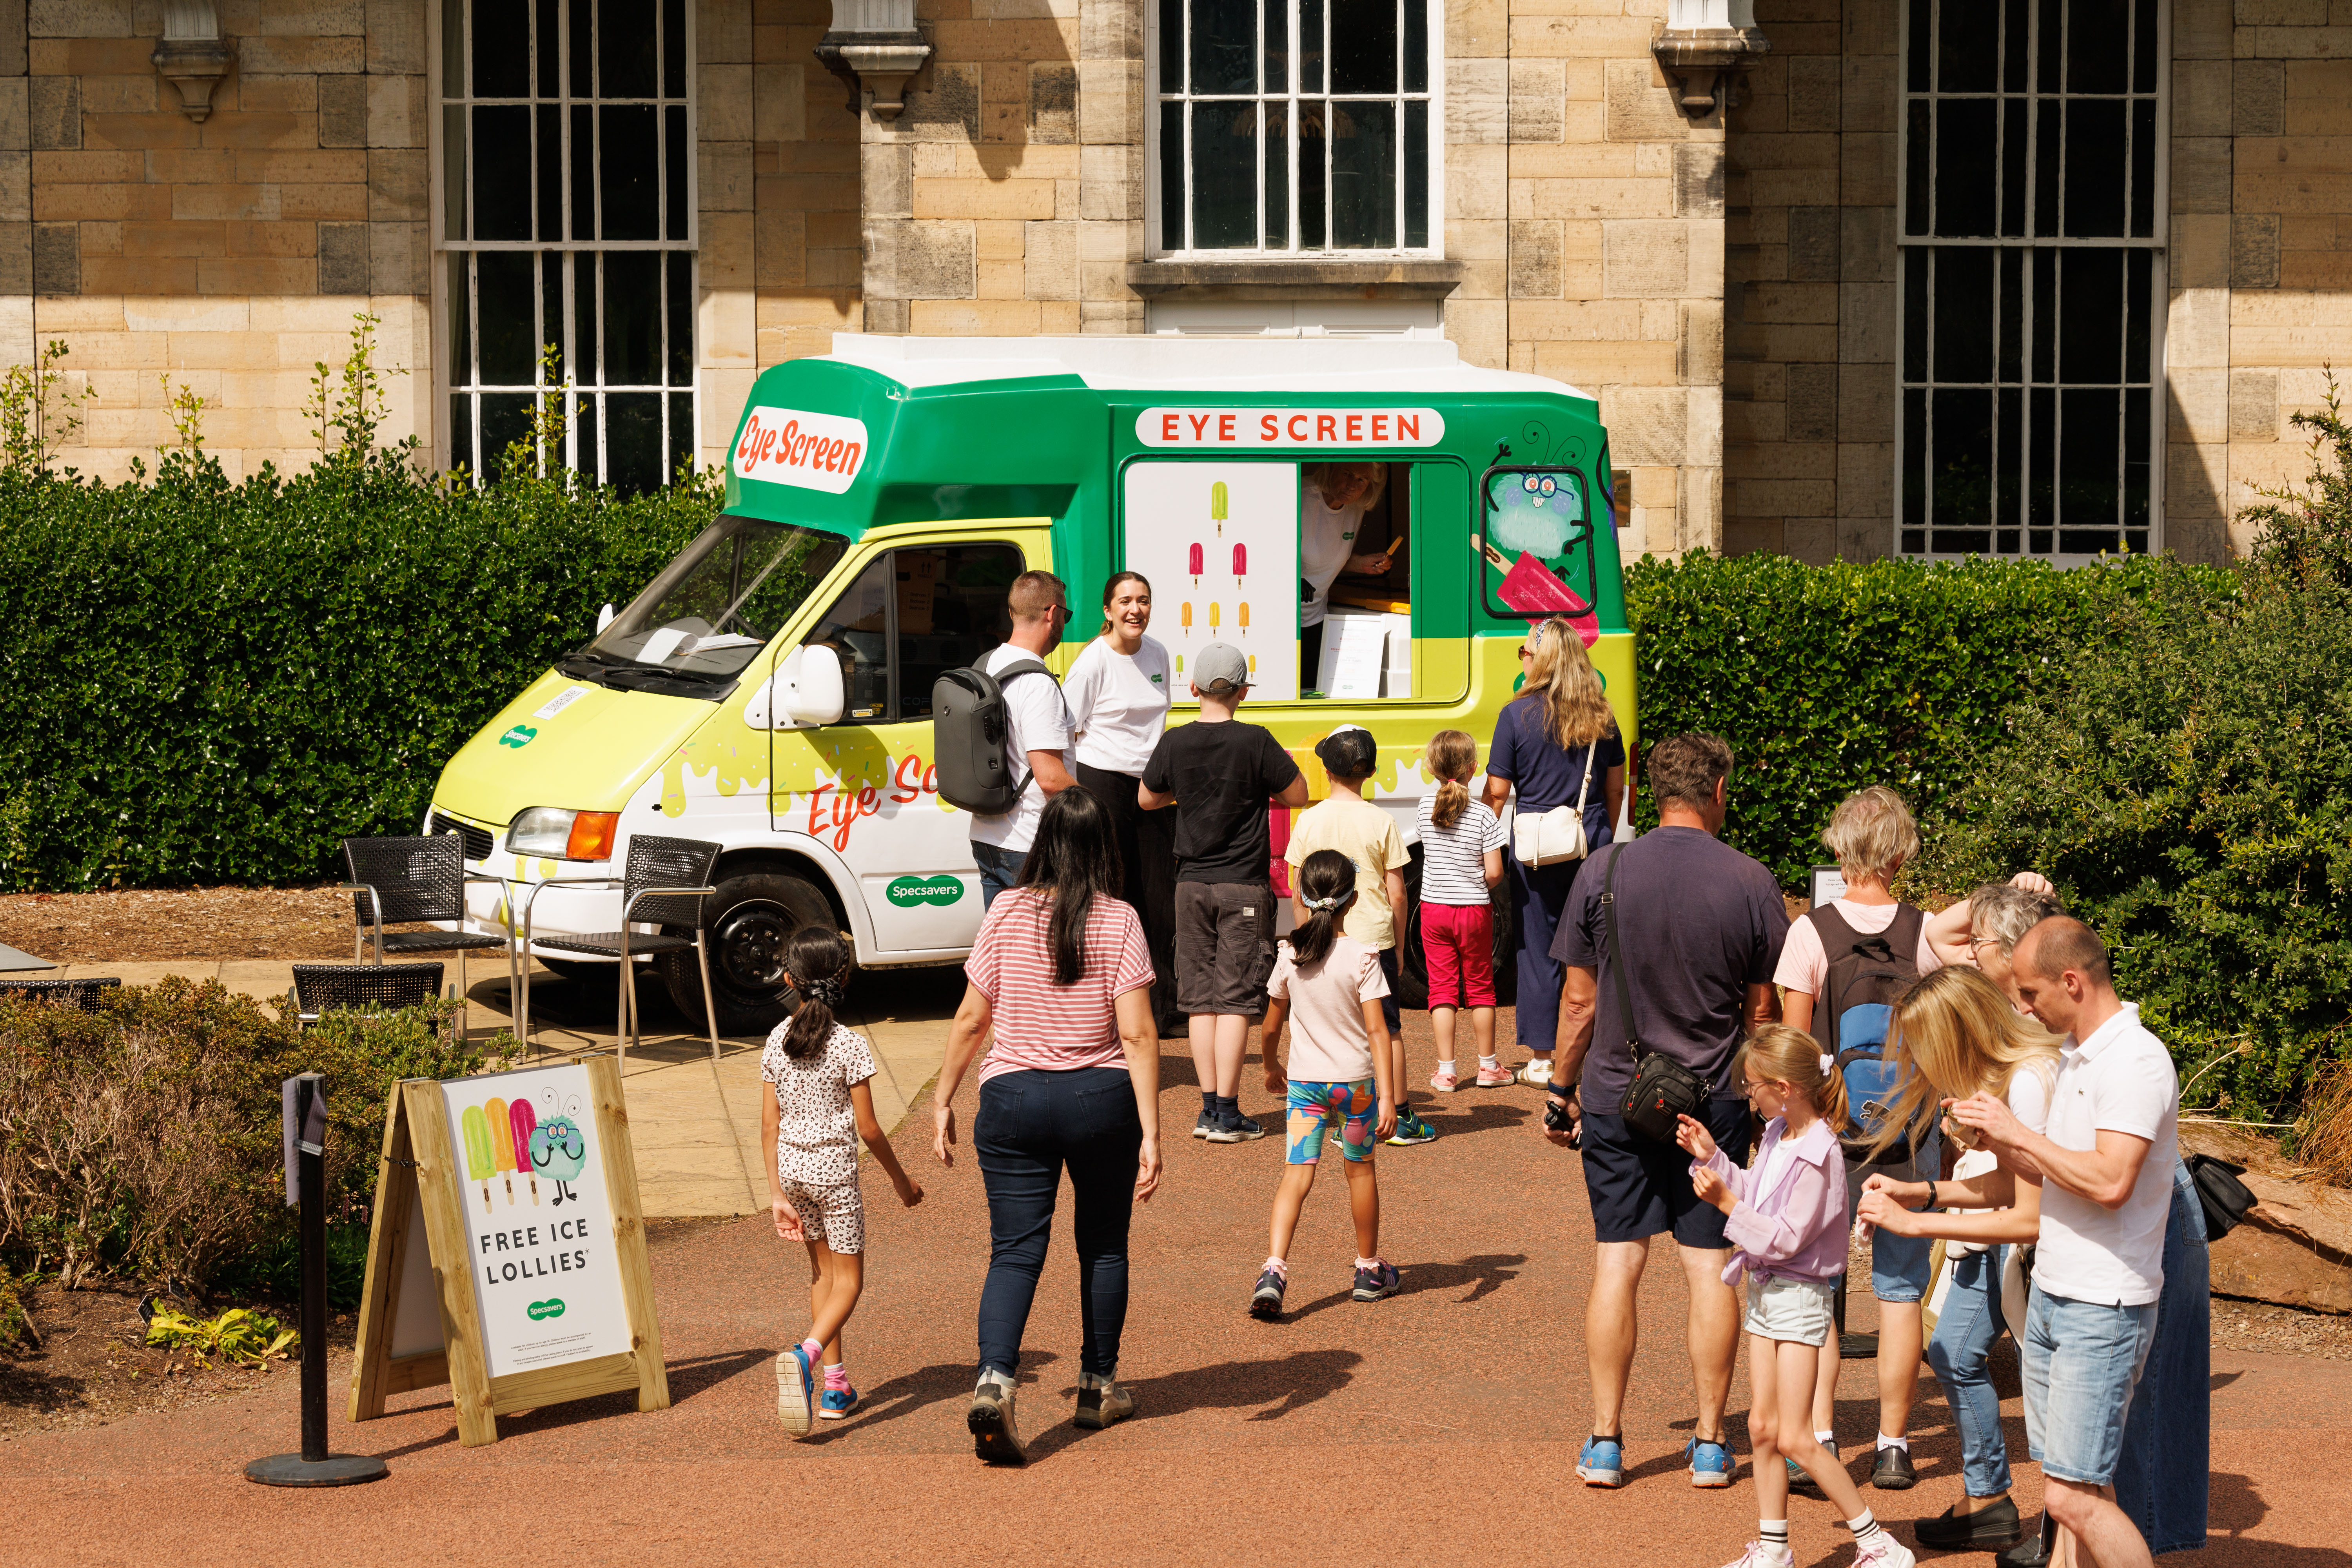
x=1219, y=774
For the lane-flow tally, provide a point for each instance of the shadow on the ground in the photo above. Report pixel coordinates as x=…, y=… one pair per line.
x=1485, y=1116
x=1485, y=1274
x=913, y=1391
x=2235, y=1508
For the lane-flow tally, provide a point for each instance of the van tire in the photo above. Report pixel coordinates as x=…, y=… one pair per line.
x=749, y=919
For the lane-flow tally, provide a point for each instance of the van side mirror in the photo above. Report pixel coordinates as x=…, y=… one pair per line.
x=805, y=692
x=604, y=619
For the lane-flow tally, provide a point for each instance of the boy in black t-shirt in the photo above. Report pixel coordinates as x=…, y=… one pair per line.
x=1219, y=774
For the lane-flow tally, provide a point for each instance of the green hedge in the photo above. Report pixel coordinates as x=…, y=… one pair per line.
x=216, y=682
x=1825, y=678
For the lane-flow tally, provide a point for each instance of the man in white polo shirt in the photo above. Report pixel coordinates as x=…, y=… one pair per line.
x=2105, y=1165
x=1037, y=739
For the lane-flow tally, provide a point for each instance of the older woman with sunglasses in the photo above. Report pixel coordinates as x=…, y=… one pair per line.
x=1555, y=744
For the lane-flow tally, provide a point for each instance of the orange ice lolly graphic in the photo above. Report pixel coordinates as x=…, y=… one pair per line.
x=480, y=1164
x=1185, y=615
x=502, y=1149
x=1529, y=587
x=524, y=1123
x=1244, y=617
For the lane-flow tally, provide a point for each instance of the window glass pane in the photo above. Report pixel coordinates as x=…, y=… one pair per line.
x=453, y=171
x=1171, y=176
x=858, y=629
x=586, y=455
x=2040, y=486
x=2136, y=476
x=2016, y=48
x=677, y=147
x=2144, y=41
x=507, y=294
x=452, y=49
x=1963, y=309
x=547, y=122
x=461, y=432
x=2049, y=141
x=633, y=441
x=582, y=48
x=628, y=173
x=1915, y=465
x=585, y=315
x=1965, y=196
x=2143, y=168
x=1921, y=45
x=584, y=172
x=2097, y=58
x=1223, y=57
x=2095, y=166
x=501, y=39
x=1314, y=151
x=633, y=319
x=2009, y=466
x=1224, y=175
x=1918, y=266
x=550, y=311
x=1966, y=51
x=2140, y=267
x=1416, y=171
x=1962, y=487
x=1416, y=46
x=673, y=49
x=502, y=205
x=2091, y=316
x=1364, y=47
x=506, y=420
x=681, y=433
x=2047, y=52
x=461, y=315
x=1363, y=175
x=1172, y=46
x=2089, y=443
x=625, y=49
x=1277, y=176
x=680, y=268
x=1310, y=46
x=2045, y=306
x=1275, y=27
x=2012, y=315
x=965, y=615
x=2014, y=148
x=1918, y=190
x=545, y=42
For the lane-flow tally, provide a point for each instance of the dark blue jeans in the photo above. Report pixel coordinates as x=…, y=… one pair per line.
x=1000, y=870
x=1538, y=898
x=2164, y=1471
x=1032, y=1125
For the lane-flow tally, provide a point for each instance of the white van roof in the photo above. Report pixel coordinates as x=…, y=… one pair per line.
x=1141, y=362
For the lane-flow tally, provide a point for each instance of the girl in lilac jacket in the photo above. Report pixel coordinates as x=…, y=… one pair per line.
x=1787, y=1224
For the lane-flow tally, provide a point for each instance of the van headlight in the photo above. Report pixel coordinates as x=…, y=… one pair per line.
x=554, y=832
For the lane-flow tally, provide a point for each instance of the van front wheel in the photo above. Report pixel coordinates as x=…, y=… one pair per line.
x=750, y=918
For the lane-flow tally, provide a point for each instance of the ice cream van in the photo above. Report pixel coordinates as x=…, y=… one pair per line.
x=770, y=690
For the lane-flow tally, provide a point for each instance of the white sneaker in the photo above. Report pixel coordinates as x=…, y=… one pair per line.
x=1537, y=1073
x=1760, y=1555
x=1884, y=1552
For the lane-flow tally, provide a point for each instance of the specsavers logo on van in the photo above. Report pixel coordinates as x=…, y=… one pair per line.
x=1232, y=428
x=791, y=447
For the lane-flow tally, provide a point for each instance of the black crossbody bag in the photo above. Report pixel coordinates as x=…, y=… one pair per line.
x=1664, y=1090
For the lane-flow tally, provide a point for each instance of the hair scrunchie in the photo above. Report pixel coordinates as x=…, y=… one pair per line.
x=827, y=990
x=1320, y=904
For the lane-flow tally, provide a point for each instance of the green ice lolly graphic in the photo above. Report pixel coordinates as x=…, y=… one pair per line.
x=1217, y=506
x=479, y=1163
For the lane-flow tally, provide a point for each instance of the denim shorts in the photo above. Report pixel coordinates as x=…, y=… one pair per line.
x=2081, y=1360
x=1900, y=1265
x=1794, y=1311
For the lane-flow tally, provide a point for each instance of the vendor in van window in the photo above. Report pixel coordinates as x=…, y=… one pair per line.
x=1333, y=500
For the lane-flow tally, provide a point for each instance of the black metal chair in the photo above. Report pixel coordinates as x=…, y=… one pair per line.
x=402, y=880
x=663, y=884
x=81, y=993
x=362, y=988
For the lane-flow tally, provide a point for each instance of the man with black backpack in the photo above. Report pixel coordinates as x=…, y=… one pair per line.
x=1669, y=942
x=1037, y=730
x=1845, y=965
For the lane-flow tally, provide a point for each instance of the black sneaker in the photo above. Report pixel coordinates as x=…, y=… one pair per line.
x=1799, y=1481
x=1265, y=1305
x=1376, y=1283
x=1234, y=1129
x=994, y=1438
x=2034, y=1551
x=1894, y=1472
x=1983, y=1530
x=1204, y=1126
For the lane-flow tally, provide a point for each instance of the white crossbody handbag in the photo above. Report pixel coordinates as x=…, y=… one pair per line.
x=1550, y=838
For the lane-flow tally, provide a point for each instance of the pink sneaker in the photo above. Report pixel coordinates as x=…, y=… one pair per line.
x=1444, y=1082
x=1497, y=1077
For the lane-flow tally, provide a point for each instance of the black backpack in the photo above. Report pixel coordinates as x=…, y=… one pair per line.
x=1866, y=974
x=968, y=726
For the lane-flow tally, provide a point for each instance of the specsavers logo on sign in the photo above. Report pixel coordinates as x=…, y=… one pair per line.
x=1233, y=429
x=791, y=447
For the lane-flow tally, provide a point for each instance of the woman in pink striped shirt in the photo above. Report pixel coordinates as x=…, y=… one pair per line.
x=1061, y=973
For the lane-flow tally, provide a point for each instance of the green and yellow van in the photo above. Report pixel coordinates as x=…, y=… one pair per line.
x=770, y=689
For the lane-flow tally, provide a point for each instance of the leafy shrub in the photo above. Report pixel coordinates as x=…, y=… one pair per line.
x=144, y=1138
x=15, y=1319
x=274, y=1267
x=1825, y=678
x=240, y=1336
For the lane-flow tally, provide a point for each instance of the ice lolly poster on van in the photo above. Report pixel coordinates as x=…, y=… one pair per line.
x=1219, y=544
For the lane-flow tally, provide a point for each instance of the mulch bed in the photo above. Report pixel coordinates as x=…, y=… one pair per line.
x=157, y=925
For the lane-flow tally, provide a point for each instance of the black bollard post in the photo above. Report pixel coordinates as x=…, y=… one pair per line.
x=305, y=1123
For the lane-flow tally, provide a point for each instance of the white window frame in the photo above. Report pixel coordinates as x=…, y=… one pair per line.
x=1909, y=246
x=1158, y=243
x=446, y=385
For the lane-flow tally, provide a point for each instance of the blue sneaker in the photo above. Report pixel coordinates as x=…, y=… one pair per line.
x=836, y=1403
x=1711, y=1464
x=1602, y=1462
x=796, y=1385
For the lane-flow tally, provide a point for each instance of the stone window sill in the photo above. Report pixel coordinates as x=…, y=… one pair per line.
x=1381, y=279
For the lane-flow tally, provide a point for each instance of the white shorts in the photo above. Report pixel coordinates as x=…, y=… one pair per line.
x=834, y=1215
x=1795, y=1311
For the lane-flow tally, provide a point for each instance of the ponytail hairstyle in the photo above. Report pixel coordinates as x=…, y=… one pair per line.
x=1074, y=861
x=1326, y=886
x=1784, y=1054
x=819, y=961
x=1453, y=756
x=1110, y=589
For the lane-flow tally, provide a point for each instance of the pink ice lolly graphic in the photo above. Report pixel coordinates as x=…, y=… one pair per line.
x=1529, y=587
x=525, y=1121
x=1196, y=566
x=1241, y=562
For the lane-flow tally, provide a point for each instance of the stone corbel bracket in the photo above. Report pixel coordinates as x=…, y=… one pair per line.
x=1705, y=46
x=874, y=46
x=192, y=55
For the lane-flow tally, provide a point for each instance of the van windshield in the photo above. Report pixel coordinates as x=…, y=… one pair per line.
x=711, y=610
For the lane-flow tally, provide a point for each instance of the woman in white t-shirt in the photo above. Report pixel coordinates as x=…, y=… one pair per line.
x=1332, y=502
x=1961, y=1037
x=1117, y=693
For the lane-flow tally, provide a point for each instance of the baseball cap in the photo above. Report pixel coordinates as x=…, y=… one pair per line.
x=1220, y=668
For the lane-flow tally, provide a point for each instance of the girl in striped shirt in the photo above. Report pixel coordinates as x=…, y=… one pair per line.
x=1460, y=865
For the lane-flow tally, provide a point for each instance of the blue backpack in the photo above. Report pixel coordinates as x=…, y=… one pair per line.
x=1866, y=975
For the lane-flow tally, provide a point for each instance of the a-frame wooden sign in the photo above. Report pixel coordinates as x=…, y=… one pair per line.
x=507, y=1256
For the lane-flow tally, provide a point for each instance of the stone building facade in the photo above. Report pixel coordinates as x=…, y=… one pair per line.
x=1735, y=231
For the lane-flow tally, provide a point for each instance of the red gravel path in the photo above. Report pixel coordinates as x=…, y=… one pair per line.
x=1447, y=1416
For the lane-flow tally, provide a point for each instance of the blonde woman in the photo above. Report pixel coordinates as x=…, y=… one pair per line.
x=1332, y=503
x=1555, y=743
x=1958, y=1035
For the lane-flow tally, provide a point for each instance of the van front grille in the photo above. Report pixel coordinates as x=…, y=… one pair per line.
x=476, y=840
